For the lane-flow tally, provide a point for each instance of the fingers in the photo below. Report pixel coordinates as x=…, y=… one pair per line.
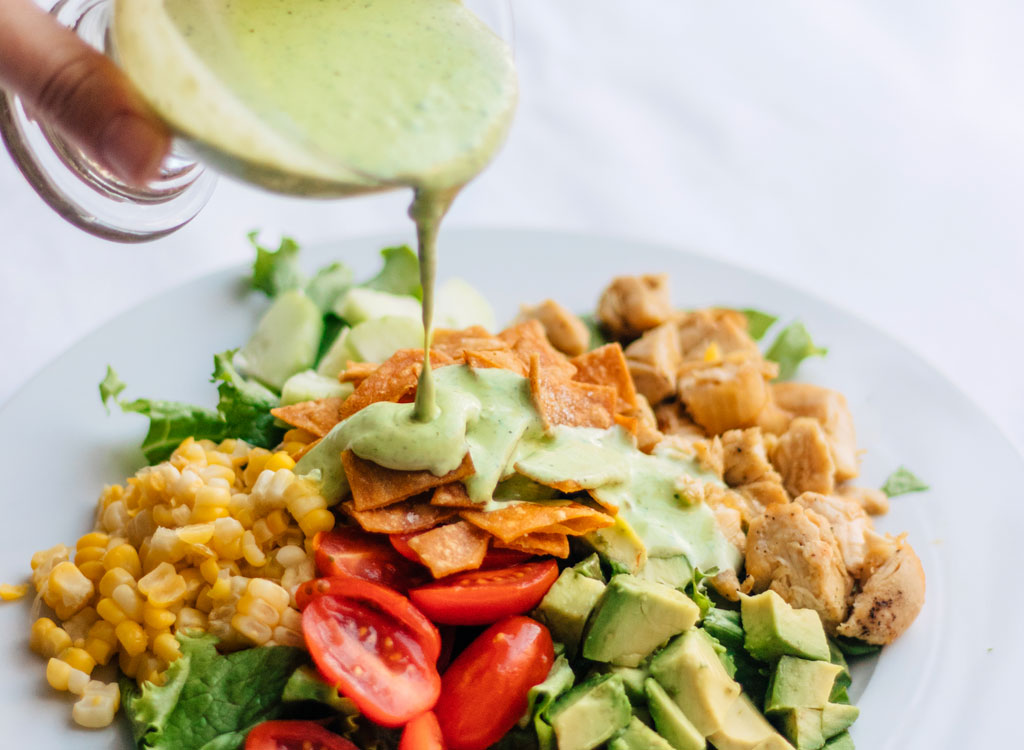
x=80, y=92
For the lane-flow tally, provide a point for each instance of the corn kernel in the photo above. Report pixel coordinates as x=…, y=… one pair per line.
x=132, y=637
x=11, y=592
x=94, y=710
x=92, y=539
x=163, y=516
x=67, y=589
x=59, y=674
x=78, y=626
x=78, y=658
x=316, y=520
x=277, y=522
x=211, y=503
x=93, y=570
x=129, y=601
x=166, y=647
x=210, y=570
x=110, y=612
x=712, y=353
x=129, y=664
x=47, y=639
x=221, y=589
x=258, y=458
x=280, y=460
x=196, y=533
x=114, y=578
x=190, y=618
x=256, y=631
x=251, y=550
x=163, y=586
x=123, y=556
x=160, y=618
x=101, y=642
x=89, y=554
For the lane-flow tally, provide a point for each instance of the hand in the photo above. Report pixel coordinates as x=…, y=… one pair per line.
x=66, y=83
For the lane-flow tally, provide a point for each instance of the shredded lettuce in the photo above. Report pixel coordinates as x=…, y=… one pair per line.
x=170, y=422
x=110, y=387
x=758, y=322
x=209, y=701
x=903, y=481
x=400, y=274
x=276, y=271
x=725, y=627
x=697, y=588
x=245, y=405
x=329, y=285
x=791, y=347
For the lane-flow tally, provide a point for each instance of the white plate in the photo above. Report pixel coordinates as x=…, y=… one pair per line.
x=948, y=682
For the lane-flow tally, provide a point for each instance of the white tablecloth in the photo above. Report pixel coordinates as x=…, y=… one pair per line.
x=870, y=151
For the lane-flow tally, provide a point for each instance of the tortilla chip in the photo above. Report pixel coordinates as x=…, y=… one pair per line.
x=495, y=359
x=538, y=544
x=392, y=380
x=514, y=521
x=450, y=549
x=400, y=518
x=316, y=417
x=357, y=372
x=455, y=343
x=452, y=495
x=528, y=339
x=629, y=424
x=606, y=365
x=569, y=402
x=375, y=486
x=305, y=449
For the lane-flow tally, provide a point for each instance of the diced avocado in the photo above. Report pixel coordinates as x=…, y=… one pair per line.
x=336, y=357
x=837, y=718
x=368, y=304
x=692, y=674
x=744, y=728
x=774, y=742
x=799, y=683
x=802, y=726
x=459, y=305
x=590, y=567
x=285, y=342
x=567, y=605
x=671, y=571
x=670, y=720
x=377, y=339
x=638, y=736
x=633, y=679
x=619, y=545
x=325, y=458
x=310, y=386
x=773, y=629
x=633, y=618
x=590, y=714
x=843, y=679
x=840, y=742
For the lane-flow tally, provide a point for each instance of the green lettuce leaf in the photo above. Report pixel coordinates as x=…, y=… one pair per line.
x=245, y=405
x=170, y=422
x=791, y=347
x=276, y=271
x=758, y=322
x=400, y=274
x=110, y=387
x=330, y=284
x=209, y=701
x=902, y=481
x=855, y=646
x=697, y=589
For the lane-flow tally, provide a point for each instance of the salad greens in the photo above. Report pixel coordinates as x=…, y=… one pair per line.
x=276, y=271
x=758, y=322
x=903, y=481
x=791, y=347
x=400, y=274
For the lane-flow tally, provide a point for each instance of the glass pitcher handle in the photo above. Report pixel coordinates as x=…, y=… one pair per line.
x=79, y=189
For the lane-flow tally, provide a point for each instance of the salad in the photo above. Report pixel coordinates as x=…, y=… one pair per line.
x=625, y=530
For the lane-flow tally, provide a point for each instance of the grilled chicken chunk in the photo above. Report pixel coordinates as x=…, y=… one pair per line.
x=728, y=394
x=848, y=522
x=726, y=329
x=873, y=501
x=804, y=459
x=631, y=305
x=830, y=409
x=566, y=332
x=654, y=361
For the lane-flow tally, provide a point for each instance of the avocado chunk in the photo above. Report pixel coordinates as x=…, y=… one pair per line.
x=744, y=728
x=837, y=718
x=773, y=629
x=843, y=679
x=367, y=304
x=802, y=726
x=309, y=386
x=590, y=567
x=840, y=742
x=619, y=545
x=567, y=605
x=285, y=342
x=670, y=720
x=799, y=683
x=692, y=674
x=638, y=736
x=590, y=714
x=633, y=618
x=674, y=571
x=633, y=679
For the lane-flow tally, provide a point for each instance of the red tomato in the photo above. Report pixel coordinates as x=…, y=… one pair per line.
x=294, y=735
x=481, y=597
x=347, y=551
x=503, y=558
x=484, y=691
x=422, y=733
x=401, y=544
x=377, y=597
x=372, y=656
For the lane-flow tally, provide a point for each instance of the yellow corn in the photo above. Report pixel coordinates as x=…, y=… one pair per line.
x=279, y=460
x=190, y=618
x=712, y=353
x=124, y=557
x=251, y=550
x=211, y=503
x=97, y=706
x=47, y=639
x=110, y=611
x=132, y=637
x=78, y=658
x=210, y=570
x=163, y=586
x=158, y=617
x=67, y=589
x=11, y=592
x=114, y=578
x=60, y=675
x=130, y=602
x=78, y=625
x=166, y=647
x=257, y=460
x=101, y=643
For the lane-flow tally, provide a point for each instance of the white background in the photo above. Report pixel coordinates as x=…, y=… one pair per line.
x=872, y=152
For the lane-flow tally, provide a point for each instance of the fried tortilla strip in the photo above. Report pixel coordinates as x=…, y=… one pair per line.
x=628, y=423
x=495, y=359
x=538, y=544
x=392, y=380
x=316, y=417
x=606, y=365
x=569, y=402
x=514, y=521
x=375, y=486
x=450, y=549
x=455, y=343
x=407, y=516
x=357, y=372
x=452, y=495
x=528, y=339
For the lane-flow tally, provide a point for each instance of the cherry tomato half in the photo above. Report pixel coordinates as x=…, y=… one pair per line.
x=401, y=544
x=372, y=656
x=379, y=597
x=481, y=597
x=485, y=690
x=294, y=735
x=503, y=558
x=422, y=733
x=347, y=551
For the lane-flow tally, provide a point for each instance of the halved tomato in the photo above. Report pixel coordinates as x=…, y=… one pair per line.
x=294, y=735
x=503, y=558
x=363, y=643
x=422, y=733
x=348, y=551
x=401, y=544
x=485, y=690
x=481, y=597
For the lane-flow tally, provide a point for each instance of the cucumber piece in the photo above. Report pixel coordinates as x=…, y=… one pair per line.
x=308, y=385
x=285, y=342
x=366, y=304
x=376, y=340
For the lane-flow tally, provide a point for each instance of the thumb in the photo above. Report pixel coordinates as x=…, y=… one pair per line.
x=80, y=92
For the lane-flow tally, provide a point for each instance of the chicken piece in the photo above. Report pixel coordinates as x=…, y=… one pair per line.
x=889, y=600
x=566, y=332
x=726, y=329
x=803, y=458
x=727, y=584
x=773, y=419
x=672, y=420
x=746, y=458
x=647, y=433
x=849, y=522
x=709, y=455
x=874, y=502
x=716, y=496
x=793, y=551
x=764, y=494
x=830, y=409
x=631, y=305
x=654, y=361
x=726, y=395
x=730, y=523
